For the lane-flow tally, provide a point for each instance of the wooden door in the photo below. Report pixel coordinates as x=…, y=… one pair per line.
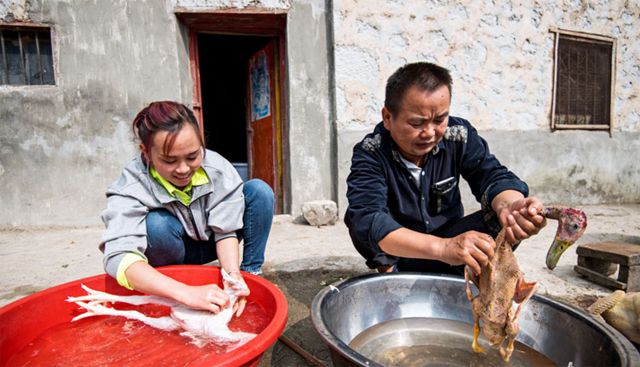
x=263, y=116
x=194, y=65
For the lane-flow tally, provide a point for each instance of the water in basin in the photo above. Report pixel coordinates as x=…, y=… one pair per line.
x=435, y=342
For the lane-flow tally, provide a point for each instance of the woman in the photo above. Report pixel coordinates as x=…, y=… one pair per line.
x=178, y=203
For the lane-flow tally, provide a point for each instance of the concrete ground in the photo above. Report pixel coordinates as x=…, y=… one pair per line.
x=301, y=260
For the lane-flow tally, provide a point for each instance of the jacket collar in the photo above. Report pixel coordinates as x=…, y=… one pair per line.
x=162, y=194
x=390, y=148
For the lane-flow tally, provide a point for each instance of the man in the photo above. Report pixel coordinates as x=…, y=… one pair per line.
x=405, y=211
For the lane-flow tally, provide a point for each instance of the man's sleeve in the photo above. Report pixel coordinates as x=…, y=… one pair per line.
x=486, y=176
x=368, y=216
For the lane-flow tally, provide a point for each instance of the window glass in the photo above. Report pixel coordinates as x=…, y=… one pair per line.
x=30, y=58
x=12, y=55
x=3, y=71
x=584, y=82
x=46, y=57
x=26, y=57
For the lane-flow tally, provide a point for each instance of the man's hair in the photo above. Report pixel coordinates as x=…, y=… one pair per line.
x=424, y=75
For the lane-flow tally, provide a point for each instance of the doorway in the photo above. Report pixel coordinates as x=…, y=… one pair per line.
x=223, y=83
x=238, y=73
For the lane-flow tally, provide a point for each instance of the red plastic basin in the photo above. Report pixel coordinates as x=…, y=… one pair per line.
x=23, y=320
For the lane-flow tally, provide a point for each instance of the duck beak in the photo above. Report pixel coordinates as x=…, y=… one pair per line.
x=558, y=247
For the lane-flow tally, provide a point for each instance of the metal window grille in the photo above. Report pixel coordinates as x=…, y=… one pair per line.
x=584, y=82
x=26, y=56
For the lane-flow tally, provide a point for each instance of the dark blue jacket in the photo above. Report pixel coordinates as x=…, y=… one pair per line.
x=383, y=196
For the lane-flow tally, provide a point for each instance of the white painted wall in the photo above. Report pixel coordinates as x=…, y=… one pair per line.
x=61, y=146
x=501, y=56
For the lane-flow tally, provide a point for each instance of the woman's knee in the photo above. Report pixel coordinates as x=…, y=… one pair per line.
x=165, y=245
x=256, y=190
x=162, y=223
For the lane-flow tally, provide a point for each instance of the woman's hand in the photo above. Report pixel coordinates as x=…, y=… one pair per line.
x=227, y=250
x=208, y=297
x=146, y=279
x=242, y=292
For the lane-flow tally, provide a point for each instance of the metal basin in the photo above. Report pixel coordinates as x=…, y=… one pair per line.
x=562, y=333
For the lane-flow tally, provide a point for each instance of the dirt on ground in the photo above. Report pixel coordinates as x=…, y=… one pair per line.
x=300, y=288
x=301, y=260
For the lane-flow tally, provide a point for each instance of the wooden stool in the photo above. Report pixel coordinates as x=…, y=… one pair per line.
x=598, y=260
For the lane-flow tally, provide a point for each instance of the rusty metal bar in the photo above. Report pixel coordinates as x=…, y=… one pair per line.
x=4, y=58
x=39, y=58
x=568, y=98
x=24, y=74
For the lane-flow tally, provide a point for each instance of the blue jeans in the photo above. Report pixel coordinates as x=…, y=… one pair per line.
x=168, y=244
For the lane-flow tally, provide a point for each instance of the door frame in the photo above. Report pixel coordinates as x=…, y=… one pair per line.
x=246, y=22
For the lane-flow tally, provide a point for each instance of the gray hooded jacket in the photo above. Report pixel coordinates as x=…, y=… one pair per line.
x=216, y=208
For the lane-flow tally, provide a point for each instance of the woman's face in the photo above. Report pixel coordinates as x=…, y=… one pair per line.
x=181, y=162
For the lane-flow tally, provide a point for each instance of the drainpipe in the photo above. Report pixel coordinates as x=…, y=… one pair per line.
x=331, y=62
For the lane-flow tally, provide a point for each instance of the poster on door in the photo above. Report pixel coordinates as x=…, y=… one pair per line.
x=259, y=83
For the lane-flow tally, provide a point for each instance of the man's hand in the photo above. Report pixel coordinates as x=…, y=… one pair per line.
x=472, y=248
x=522, y=219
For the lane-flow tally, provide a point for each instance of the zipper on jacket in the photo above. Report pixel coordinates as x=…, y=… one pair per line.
x=193, y=223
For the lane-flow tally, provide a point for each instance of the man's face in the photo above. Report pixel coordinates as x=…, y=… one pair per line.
x=181, y=162
x=420, y=123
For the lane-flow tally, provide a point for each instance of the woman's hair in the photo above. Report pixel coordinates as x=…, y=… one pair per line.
x=164, y=116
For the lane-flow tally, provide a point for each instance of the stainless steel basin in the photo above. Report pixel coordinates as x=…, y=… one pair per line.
x=562, y=333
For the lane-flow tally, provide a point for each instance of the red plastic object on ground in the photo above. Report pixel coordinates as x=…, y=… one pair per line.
x=23, y=320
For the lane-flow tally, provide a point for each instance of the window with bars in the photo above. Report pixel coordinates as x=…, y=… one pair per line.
x=26, y=56
x=584, y=69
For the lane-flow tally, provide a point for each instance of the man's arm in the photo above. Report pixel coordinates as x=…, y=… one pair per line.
x=475, y=249
x=500, y=191
x=368, y=216
x=471, y=248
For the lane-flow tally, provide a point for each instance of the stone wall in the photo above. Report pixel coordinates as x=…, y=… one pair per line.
x=501, y=57
x=61, y=146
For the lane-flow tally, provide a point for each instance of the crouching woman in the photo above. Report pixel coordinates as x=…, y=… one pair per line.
x=178, y=203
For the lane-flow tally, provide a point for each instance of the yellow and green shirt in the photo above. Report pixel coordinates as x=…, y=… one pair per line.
x=199, y=178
